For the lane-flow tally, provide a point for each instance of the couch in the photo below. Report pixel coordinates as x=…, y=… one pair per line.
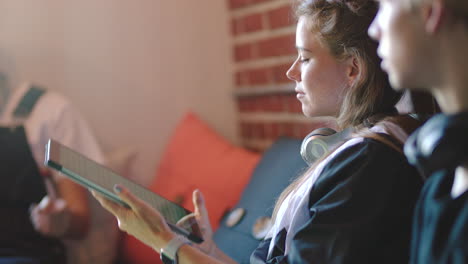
x=229, y=177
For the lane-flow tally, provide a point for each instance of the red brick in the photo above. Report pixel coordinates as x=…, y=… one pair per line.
x=284, y=45
x=242, y=105
x=258, y=76
x=259, y=102
x=245, y=130
x=243, y=52
x=250, y=130
x=247, y=105
x=234, y=4
x=306, y=128
x=257, y=130
x=279, y=73
x=280, y=17
x=287, y=129
x=284, y=102
x=252, y=22
x=241, y=78
x=274, y=130
x=254, y=106
x=275, y=103
x=294, y=105
x=262, y=134
x=259, y=1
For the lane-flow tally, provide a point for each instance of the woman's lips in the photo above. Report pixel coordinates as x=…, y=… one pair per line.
x=300, y=94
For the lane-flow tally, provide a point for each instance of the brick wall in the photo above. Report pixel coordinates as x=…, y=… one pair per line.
x=263, y=49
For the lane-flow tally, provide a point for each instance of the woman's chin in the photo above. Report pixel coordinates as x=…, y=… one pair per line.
x=310, y=112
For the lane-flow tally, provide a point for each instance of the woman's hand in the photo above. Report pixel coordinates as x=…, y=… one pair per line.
x=140, y=220
x=51, y=216
x=200, y=216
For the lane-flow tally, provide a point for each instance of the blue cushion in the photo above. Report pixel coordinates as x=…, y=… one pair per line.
x=279, y=165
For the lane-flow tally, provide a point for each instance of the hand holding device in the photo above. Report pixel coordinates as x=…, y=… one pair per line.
x=102, y=180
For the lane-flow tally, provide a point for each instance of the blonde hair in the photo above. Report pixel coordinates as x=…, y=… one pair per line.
x=342, y=26
x=458, y=7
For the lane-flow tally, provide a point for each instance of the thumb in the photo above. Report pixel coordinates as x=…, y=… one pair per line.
x=49, y=205
x=46, y=205
x=200, y=209
x=59, y=205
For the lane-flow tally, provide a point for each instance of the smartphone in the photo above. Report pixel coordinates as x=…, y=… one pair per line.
x=92, y=175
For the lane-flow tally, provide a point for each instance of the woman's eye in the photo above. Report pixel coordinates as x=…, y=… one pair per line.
x=303, y=60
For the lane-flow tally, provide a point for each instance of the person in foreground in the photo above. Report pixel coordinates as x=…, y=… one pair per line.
x=352, y=206
x=423, y=44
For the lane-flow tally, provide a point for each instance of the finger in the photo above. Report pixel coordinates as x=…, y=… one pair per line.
x=59, y=205
x=141, y=209
x=50, y=184
x=46, y=205
x=202, y=214
x=135, y=203
x=38, y=220
x=33, y=212
x=112, y=207
x=54, y=206
x=32, y=208
x=187, y=221
x=200, y=208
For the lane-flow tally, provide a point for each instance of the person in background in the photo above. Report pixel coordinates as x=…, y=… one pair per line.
x=40, y=208
x=355, y=204
x=423, y=44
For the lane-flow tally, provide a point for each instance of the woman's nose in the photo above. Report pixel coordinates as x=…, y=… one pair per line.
x=293, y=73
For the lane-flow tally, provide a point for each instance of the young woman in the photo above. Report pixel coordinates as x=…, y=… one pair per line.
x=423, y=45
x=355, y=204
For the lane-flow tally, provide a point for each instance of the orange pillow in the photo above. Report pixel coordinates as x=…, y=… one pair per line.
x=197, y=158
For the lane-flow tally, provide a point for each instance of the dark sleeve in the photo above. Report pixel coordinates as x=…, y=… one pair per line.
x=260, y=254
x=418, y=223
x=440, y=229
x=360, y=209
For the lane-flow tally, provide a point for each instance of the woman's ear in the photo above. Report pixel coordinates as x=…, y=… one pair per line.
x=353, y=69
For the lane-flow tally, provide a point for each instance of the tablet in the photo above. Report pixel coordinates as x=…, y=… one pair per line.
x=94, y=176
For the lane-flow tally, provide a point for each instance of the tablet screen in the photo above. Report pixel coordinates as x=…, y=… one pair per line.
x=92, y=175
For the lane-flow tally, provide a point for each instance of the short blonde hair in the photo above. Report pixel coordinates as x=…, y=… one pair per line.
x=458, y=7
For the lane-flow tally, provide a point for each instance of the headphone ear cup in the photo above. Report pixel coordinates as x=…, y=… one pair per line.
x=314, y=146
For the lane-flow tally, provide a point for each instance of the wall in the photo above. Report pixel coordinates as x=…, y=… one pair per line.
x=264, y=47
x=132, y=67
